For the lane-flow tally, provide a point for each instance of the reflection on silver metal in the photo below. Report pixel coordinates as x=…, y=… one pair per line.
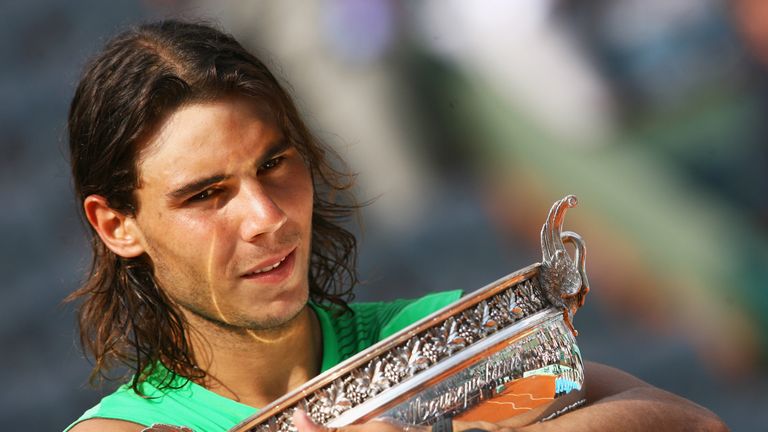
x=505, y=352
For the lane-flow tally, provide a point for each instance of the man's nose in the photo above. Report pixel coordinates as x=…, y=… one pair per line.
x=260, y=213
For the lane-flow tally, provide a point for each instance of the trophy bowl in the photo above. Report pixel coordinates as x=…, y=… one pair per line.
x=504, y=352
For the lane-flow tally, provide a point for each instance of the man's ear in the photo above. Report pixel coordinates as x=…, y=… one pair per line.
x=117, y=230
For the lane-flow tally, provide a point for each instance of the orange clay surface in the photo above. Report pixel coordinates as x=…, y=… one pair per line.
x=519, y=397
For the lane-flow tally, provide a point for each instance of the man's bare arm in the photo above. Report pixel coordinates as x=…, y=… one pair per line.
x=618, y=401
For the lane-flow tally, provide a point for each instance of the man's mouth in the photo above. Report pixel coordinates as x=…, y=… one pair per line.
x=271, y=268
x=268, y=268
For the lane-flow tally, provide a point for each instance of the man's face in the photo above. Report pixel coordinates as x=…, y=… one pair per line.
x=225, y=211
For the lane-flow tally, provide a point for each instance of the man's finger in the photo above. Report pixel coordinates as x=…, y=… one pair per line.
x=304, y=423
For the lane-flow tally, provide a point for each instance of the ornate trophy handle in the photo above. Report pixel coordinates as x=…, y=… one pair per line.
x=581, y=261
x=563, y=279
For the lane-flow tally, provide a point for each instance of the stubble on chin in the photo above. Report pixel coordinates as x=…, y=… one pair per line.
x=241, y=325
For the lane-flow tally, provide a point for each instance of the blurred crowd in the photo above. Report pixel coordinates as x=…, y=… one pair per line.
x=651, y=111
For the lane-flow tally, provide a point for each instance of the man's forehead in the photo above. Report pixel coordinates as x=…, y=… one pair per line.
x=199, y=136
x=214, y=113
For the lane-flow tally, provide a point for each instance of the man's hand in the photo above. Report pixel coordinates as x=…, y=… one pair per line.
x=617, y=400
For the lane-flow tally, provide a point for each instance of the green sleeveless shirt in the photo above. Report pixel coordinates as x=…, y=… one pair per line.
x=194, y=406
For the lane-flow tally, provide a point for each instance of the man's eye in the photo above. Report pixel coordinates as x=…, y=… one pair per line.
x=272, y=163
x=204, y=195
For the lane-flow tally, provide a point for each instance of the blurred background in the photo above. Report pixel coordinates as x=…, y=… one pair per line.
x=466, y=120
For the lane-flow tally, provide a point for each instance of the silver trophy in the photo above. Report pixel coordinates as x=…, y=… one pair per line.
x=505, y=352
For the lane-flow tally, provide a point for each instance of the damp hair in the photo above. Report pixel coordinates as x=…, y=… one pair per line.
x=126, y=321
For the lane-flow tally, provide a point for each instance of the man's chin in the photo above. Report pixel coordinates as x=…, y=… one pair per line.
x=279, y=316
x=275, y=322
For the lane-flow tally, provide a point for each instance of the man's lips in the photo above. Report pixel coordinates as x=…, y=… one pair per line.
x=272, y=267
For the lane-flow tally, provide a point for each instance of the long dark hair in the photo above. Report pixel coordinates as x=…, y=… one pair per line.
x=141, y=75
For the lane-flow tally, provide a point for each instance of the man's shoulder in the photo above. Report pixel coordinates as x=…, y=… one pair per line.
x=379, y=314
x=176, y=401
x=386, y=317
x=106, y=425
x=121, y=410
x=427, y=303
x=408, y=312
x=346, y=334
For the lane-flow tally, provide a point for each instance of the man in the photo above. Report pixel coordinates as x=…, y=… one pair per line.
x=220, y=276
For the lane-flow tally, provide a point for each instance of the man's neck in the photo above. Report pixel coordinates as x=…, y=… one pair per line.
x=256, y=367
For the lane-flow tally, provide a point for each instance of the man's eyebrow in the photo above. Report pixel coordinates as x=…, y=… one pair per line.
x=278, y=147
x=275, y=149
x=196, y=186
